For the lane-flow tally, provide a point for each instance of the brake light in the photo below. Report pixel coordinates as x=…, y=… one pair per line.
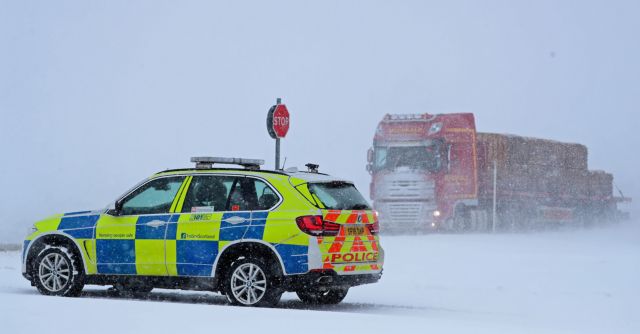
x=374, y=228
x=316, y=226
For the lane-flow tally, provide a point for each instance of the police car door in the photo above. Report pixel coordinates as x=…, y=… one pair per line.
x=193, y=239
x=132, y=240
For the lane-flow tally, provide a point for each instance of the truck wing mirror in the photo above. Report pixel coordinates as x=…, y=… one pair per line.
x=370, y=155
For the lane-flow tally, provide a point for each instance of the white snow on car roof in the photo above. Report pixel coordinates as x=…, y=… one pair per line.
x=316, y=177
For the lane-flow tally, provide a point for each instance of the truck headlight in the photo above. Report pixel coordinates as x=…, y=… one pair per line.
x=436, y=213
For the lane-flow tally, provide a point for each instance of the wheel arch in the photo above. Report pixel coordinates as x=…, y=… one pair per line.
x=51, y=239
x=240, y=248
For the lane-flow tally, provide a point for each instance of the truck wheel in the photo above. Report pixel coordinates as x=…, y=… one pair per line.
x=58, y=272
x=251, y=282
x=461, y=222
x=331, y=296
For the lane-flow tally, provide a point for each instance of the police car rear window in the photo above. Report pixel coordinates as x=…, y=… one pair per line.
x=338, y=196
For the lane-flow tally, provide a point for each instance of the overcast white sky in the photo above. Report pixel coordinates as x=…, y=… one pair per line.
x=95, y=96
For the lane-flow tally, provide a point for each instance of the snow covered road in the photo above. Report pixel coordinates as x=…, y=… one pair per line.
x=583, y=281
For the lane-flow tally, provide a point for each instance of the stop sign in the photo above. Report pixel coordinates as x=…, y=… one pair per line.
x=278, y=121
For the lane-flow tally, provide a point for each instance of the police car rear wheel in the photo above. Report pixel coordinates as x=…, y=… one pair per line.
x=251, y=283
x=331, y=296
x=57, y=272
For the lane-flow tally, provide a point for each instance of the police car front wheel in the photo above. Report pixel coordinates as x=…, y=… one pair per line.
x=250, y=283
x=58, y=272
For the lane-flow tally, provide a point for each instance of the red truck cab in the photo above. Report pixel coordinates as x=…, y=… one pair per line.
x=422, y=167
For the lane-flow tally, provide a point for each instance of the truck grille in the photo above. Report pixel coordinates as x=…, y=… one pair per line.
x=404, y=214
x=410, y=189
x=404, y=200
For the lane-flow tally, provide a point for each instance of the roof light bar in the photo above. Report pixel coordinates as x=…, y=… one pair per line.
x=405, y=117
x=207, y=162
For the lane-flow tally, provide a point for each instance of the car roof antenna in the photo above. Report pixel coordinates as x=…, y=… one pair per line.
x=284, y=163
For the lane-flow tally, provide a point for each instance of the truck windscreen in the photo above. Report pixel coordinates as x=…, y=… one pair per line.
x=427, y=157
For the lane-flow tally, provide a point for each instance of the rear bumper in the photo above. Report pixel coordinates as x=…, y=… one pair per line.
x=327, y=279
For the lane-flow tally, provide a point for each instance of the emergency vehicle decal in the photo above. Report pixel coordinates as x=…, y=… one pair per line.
x=354, y=248
x=78, y=226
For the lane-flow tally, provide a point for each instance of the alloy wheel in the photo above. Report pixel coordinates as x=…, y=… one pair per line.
x=248, y=283
x=54, y=272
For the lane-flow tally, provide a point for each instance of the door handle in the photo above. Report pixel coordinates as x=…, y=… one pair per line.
x=155, y=223
x=235, y=220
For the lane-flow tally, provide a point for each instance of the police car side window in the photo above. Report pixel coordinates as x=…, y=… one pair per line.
x=208, y=193
x=238, y=201
x=153, y=197
x=248, y=194
x=267, y=198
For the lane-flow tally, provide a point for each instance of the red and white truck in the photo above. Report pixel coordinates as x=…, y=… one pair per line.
x=435, y=172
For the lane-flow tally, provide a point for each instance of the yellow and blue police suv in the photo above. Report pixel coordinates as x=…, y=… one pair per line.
x=250, y=234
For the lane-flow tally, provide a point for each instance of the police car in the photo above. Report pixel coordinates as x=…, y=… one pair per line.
x=250, y=234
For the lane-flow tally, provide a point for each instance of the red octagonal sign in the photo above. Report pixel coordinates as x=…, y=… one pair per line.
x=278, y=121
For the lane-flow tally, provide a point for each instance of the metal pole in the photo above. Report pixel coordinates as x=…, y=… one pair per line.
x=278, y=101
x=277, y=153
x=495, y=186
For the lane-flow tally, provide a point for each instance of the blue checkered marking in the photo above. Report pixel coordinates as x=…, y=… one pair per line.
x=195, y=257
x=144, y=231
x=231, y=232
x=80, y=227
x=256, y=228
x=172, y=227
x=295, y=258
x=116, y=256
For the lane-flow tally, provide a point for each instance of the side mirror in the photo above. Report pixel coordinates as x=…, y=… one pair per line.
x=117, y=208
x=369, y=168
x=370, y=155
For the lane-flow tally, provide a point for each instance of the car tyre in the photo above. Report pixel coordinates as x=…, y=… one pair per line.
x=331, y=296
x=57, y=271
x=252, y=282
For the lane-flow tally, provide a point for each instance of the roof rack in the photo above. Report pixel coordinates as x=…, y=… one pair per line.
x=207, y=162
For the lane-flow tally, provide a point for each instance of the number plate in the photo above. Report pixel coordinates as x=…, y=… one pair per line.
x=353, y=230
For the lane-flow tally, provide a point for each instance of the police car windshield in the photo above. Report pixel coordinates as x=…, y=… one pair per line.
x=338, y=196
x=112, y=204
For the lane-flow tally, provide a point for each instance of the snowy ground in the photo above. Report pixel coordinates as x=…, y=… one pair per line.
x=584, y=281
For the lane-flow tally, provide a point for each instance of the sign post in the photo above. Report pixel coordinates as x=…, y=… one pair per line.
x=278, y=125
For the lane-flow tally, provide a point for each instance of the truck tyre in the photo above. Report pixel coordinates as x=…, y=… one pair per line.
x=58, y=272
x=252, y=282
x=331, y=296
x=461, y=220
